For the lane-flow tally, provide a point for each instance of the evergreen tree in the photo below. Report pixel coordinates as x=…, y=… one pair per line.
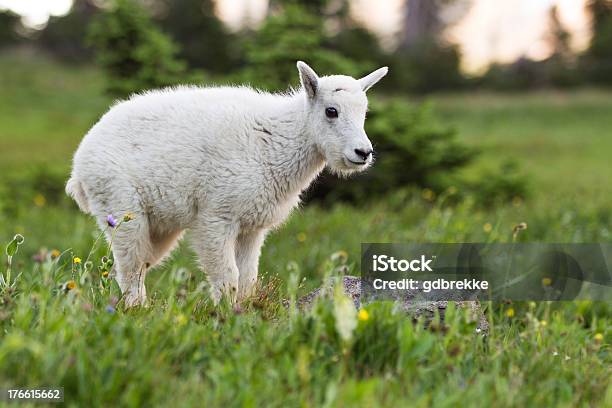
x=597, y=62
x=9, y=24
x=65, y=36
x=425, y=61
x=559, y=37
x=293, y=34
x=205, y=41
x=134, y=53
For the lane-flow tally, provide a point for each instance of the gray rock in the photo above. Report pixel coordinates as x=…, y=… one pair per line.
x=406, y=301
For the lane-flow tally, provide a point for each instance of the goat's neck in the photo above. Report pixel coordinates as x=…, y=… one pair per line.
x=291, y=154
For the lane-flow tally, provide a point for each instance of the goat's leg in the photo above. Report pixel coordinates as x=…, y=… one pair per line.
x=133, y=256
x=248, y=249
x=214, y=240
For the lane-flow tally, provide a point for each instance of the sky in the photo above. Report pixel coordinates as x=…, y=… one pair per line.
x=491, y=30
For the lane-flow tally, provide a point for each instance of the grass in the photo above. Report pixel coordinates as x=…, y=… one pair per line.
x=45, y=109
x=183, y=351
x=560, y=138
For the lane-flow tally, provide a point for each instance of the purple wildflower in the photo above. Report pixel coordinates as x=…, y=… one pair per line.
x=111, y=221
x=110, y=309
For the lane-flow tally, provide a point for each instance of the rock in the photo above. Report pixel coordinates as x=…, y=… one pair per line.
x=412, y=307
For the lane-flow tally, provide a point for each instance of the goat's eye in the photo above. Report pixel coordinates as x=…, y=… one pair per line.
x=331, y=113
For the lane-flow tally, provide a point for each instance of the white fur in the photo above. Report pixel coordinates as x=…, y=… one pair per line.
x=226, y=163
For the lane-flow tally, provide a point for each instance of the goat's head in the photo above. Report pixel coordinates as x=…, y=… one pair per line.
x=337, y=106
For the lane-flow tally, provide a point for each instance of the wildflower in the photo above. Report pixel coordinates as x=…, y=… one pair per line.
x=301, y=237
x=55, y=254
x=555, y=353
x=599, y=337
x=111, y=221
x=517, y=201
x=544, y=323
x=487, y=227
x=567, y=358
x=340, y=256
x=363, y=315
x=510, y=312
x=428, y=194
x=105, y=274
x=110, y=309
x=237, y=309
x=40, y=256
x=76, y=260
x=180, y=320
x=128, y=217
x=546, y=281
x=70, y=285
x=40, y=200
x=107, y=263
x=13, y=246
x=518, y=228
x=345, y=314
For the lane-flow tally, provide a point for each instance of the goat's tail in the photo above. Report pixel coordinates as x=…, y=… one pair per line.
x=74, y=189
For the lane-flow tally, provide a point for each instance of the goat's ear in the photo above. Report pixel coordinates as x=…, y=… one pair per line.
x=308, y=78
x=369, y=80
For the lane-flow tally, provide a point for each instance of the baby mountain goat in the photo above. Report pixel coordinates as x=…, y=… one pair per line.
x=226, y=163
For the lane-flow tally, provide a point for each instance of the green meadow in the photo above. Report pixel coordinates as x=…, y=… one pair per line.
x=62, y=325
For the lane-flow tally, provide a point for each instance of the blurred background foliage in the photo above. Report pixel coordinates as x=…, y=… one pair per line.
x=144, y=44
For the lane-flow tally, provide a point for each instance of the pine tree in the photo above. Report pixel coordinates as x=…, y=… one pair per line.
x=597, y=62
x=65, y=36
x=205, y=41
x=293, y=34
x=559, y=37
x=133, y=52
x=425, y=60
x=9, y=23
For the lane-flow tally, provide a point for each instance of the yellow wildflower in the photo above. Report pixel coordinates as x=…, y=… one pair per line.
x=599, y=337
x=340, y=256
x=363, y=315
x=55, y=254
x=487, y=227
x=510, y=312
x=301, y=237
x=76, y=260
x=428, y=194
x=105, y=274
x=181, y=319
x=70, y=285
x=546, y=281
x=128, y=217
x=40, y=200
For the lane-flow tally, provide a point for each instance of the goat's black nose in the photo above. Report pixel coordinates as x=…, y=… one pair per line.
x=364, y=154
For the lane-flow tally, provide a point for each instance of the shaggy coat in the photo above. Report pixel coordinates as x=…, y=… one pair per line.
x=226, y=163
